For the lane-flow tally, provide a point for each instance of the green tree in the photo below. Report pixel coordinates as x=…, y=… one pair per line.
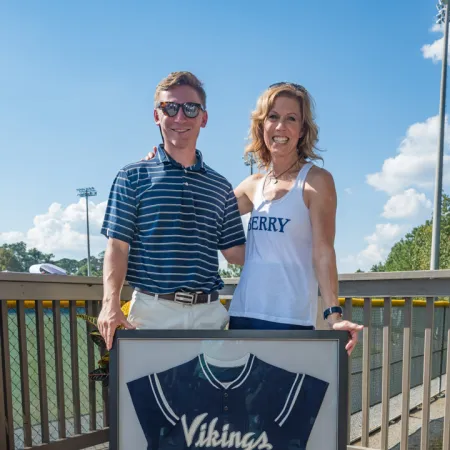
x=96, y=266
x=16, y=258
x=413, y=252
x=71, y=266
x=377, y=268
x=233, y=271
x=8, y=261
x=26, y=258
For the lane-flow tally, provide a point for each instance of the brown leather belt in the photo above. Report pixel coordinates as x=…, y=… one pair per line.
x=185, y=298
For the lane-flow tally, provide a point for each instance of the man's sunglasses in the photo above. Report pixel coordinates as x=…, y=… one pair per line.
x=190, y=109
x=299, y=87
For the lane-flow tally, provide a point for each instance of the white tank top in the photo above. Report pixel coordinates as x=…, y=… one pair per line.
x=278, y=282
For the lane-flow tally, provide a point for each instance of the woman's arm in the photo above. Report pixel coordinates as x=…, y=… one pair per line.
x=320, y=196
x=245, y=192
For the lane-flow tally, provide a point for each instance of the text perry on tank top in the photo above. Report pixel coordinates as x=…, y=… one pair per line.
x=278, y=282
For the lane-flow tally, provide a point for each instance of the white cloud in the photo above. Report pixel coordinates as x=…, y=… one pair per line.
x=379, y=244
x=62, y=231
x=415, y=163
x=348, y=191
x=437, y=28
x=434, y=51
x=384, y=233
x=409, y=204
x=11, y=237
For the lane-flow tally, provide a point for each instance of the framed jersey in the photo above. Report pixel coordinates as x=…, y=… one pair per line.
x=237, y=389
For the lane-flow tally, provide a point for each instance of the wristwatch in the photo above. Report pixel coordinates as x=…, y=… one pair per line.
x=331, y=310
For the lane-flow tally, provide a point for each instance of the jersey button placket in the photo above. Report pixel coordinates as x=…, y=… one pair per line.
x=225, y=403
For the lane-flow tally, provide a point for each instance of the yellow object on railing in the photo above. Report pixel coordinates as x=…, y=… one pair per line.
x=30, y=304
x=356, y=301
x=421, y=302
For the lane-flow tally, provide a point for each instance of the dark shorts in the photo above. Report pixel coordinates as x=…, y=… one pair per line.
x=246, y=323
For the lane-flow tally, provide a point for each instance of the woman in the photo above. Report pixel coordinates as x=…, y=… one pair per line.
x=291, y=231
x=290, y=241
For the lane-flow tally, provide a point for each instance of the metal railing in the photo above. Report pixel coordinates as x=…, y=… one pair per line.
x=48, y=402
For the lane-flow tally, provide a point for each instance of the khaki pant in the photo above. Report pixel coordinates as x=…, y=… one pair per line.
x=151, y=312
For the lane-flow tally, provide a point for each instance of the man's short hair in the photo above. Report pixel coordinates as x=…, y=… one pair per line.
x=181, y=79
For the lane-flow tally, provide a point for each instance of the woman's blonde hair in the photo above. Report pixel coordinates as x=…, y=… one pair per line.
x=306, y=147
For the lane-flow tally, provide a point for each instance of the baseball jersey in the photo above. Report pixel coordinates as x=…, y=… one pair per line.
x=253, y=406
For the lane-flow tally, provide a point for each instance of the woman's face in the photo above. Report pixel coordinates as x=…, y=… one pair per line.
x=283, y=126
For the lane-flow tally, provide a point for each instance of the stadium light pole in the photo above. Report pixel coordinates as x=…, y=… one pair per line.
x=87, y=192
x=249, y=160
x=442, y=18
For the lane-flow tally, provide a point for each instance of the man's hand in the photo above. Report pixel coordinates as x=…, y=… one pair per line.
x=353, y=330
x=150, y=155
x=111, y=317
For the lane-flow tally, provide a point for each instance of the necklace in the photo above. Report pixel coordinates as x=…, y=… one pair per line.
x=282, y=173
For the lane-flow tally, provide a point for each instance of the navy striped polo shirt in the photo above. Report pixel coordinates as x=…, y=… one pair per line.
x=175, y=220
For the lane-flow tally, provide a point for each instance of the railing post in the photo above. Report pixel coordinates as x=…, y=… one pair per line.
x=427, y=360
x=24, y=378
x=59, y=371
x=446, y=437
x=442, y=349
x=348, y=314
x=406, y=372
x=6, y=375
x=42, y=372
x=3, y=428
x=386, y=380
x=75, y=369
x=91, y=367
x=366, y=372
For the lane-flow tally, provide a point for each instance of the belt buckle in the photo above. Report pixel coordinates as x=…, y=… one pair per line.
x=185, y=298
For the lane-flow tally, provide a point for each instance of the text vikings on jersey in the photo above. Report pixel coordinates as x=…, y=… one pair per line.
x=254, y=405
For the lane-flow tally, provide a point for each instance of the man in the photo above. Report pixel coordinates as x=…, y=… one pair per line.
x=165, y=221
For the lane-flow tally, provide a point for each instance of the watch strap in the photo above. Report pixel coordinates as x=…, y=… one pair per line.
x=332, y=310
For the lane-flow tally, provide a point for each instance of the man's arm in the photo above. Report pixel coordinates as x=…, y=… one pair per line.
x=321, y=200
x=115, y=266
x=231, y=240
x=119, y=227
x=114, y=271
x=235, y=255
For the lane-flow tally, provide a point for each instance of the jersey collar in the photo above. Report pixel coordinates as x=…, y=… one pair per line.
x=238, y=381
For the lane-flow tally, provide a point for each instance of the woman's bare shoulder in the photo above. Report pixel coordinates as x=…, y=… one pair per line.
x=255, y=177
x=318, y=176
x=251, y=180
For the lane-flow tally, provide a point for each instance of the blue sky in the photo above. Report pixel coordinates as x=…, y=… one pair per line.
x=77, y=82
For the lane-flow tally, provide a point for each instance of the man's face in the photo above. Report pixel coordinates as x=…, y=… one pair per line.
x=180, y=131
